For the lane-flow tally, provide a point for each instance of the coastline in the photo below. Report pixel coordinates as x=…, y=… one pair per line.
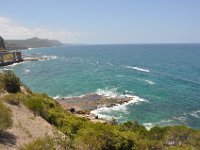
x=87, y=106
x=74, y=73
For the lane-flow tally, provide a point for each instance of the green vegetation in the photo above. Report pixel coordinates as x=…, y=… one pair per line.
x=45, y=143
x=5, y=117
x=31, y=43
x=9, y=82
x=85, y=135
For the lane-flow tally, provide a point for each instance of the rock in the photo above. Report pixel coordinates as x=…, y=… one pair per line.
x=72, y=110
x=83, y=112
x=2, y=44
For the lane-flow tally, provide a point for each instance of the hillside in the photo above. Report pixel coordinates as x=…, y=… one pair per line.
x=25, y=128
x=31, y=43
x=27, y=120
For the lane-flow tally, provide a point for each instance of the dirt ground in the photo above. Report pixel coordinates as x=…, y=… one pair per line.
x=26, y=127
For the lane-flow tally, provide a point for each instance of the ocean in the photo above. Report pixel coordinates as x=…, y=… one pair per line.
x=162, y=79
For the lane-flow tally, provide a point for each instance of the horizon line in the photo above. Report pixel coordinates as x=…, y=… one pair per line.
x=129, y=43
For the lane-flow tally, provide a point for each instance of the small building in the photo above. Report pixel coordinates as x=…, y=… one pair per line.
x=10, y=57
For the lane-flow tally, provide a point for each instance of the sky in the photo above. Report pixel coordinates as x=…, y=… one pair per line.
x=102, y=21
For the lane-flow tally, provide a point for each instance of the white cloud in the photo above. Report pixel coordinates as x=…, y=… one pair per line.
x=12, y=30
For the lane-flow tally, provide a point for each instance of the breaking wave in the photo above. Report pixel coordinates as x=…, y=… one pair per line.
x=107, y=112
x=15, y=64
x=51, y=57
x=138, y=69
x=147, y=81
x=195, y=114
x=183, y=117
x=150, y=125
x=110, y=64
x=150, y=82
x=26, y=71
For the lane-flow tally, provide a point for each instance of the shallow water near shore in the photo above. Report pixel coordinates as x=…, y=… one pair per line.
x=162, y=79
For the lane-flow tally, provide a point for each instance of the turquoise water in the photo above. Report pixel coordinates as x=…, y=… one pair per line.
x=165, y=79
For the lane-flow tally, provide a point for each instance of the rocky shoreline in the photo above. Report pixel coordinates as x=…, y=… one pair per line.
x=83, y=105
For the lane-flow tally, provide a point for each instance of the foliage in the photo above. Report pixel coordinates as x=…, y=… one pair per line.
x=5, y=117
x=84, y=134
x=10, y=82
x=102, y=136
x=1, y=82
x=45, y=143
x=133, y=126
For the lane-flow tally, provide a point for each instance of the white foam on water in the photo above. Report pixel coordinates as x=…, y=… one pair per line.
x=27, y=71
x=15, y=64
x=146, y=80
x=112, y=93
x=67, y=97
x=183, y=117
x=51, y=57
x=150, y=125
x=56, y=97
x=110, y=64
x=150, y=82
x=137, y=68
x=7, y=69
x=109, y=93
x=127, y=91
x=195, y=114
x=119, y=76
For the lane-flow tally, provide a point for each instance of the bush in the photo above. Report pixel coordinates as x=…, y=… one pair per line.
x=5, y=117
x=1, y=82
x=45, y=143
x=11, y=99
x=11, y=82
x=15, y=99
x=133, y=126
x=101, y=136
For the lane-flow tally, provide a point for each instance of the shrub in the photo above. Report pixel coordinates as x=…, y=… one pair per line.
x=11, y=82
x=133, y=126
x=15, y=99
x=45, y=143
x=1, y=82
x=101, y=136
x=5, y=117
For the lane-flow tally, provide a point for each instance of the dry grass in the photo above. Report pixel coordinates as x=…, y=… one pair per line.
x=26, y=127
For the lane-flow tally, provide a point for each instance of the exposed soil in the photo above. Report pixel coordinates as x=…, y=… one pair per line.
x=26, y=127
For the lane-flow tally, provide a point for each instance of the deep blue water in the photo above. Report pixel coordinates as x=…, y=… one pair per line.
x=165, y=77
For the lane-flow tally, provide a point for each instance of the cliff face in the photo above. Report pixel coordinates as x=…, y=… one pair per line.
x=2, y=44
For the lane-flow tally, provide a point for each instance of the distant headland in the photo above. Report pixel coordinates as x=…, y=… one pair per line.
x=31, y=43
x=9, y=49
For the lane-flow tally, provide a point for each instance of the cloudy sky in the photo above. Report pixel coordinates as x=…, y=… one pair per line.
x=102, y=21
